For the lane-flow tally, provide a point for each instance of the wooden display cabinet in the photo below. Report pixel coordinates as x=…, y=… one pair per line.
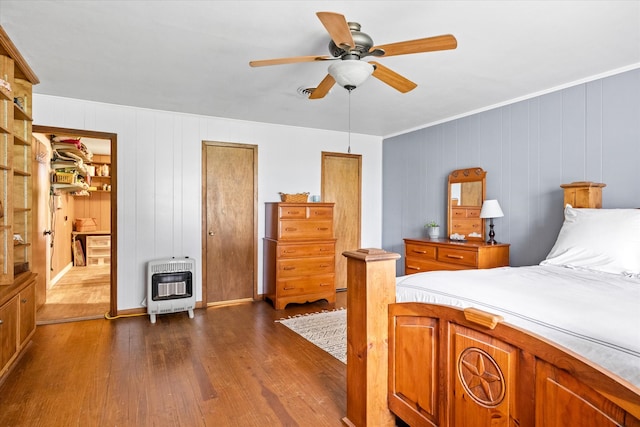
x=16, y=227
x=17, y=282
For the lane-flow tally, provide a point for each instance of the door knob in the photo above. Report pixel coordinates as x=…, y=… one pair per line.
x=212, y=233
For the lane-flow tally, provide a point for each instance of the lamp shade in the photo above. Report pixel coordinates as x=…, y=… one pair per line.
x=350, y=73
x=491, y=209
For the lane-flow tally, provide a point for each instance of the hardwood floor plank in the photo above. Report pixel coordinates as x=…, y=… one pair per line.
x=229, y=366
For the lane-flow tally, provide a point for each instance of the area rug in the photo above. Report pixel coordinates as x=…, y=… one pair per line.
x=326, y=329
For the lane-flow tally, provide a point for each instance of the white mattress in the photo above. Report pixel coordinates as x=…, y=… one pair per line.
x=596, y=315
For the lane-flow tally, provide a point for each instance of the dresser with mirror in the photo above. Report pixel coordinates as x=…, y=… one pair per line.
x=465, y=195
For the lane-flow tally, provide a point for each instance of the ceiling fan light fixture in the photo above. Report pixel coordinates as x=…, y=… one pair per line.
x=350, y=73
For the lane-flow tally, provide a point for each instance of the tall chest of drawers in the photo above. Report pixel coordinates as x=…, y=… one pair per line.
x=299, y=253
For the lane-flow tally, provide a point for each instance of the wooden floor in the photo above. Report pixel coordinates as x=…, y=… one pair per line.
x=229, y=366
x=82, y=293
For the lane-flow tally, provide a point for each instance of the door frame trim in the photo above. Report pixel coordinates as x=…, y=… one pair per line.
x=113, y=298
x=203, y=255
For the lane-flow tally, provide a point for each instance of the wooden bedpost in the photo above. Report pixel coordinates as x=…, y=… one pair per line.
x=583, y=194
x=371, y=283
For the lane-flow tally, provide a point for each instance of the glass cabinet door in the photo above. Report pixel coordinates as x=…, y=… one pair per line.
x=22, y=177
x=6, y=272
x=6, y=174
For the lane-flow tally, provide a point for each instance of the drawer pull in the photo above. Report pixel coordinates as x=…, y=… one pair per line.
x=293, y=212
x=323, y=228
x=291, y=229
x=24, y=300
x=325, y=284
x=289, y=288
x=1, y=321
x=410, y=267
x=289, y=251
x=419, y=252
x=289, y=268
x=324, y=265
x=455, y=256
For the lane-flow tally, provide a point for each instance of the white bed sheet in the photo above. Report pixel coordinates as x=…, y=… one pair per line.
x=596, y=315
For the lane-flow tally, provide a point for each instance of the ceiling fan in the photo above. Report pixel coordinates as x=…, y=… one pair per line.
x=350, y=46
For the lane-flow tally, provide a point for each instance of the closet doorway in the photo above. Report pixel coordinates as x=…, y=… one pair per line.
x=229, y=222
x=75, y=225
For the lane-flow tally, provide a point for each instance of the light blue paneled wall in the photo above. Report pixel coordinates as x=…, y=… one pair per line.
x=588, y=132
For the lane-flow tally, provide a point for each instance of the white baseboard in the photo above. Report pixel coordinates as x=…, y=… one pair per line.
x=59, y=275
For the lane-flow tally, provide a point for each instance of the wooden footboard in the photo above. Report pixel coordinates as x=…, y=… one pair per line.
x=445, y=368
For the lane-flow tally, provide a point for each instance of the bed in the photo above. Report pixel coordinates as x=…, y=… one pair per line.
x=556, y=344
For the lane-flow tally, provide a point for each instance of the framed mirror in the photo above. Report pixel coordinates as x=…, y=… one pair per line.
x=465, y=196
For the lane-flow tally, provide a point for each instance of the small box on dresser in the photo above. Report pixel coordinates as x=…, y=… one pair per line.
x=443, y=254
x=299, y=253
x=467, y=220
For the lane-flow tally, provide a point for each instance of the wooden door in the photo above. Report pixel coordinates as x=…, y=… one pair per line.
x=230, y=221
x=342, y=184
x=41, y=219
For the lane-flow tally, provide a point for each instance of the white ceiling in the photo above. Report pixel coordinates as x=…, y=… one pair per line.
x=192, y=56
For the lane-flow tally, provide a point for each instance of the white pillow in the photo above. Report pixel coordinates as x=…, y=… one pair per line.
x=598, y=239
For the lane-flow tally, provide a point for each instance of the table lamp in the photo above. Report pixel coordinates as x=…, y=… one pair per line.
x=491, y=209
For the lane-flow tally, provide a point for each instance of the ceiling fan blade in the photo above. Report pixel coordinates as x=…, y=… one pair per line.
x=428, y=44
x=392, y=78
x=291, y=60
x=323, y=88
x=338, y=29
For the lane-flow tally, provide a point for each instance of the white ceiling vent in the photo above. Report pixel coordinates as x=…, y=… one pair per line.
x=305, y=91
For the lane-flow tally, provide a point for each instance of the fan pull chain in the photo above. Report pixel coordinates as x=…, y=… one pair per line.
x=349, y=148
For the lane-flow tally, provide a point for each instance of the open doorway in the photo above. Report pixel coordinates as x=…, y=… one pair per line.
x=75, y=225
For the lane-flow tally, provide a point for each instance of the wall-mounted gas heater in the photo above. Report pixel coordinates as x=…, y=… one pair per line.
x=170, y=286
